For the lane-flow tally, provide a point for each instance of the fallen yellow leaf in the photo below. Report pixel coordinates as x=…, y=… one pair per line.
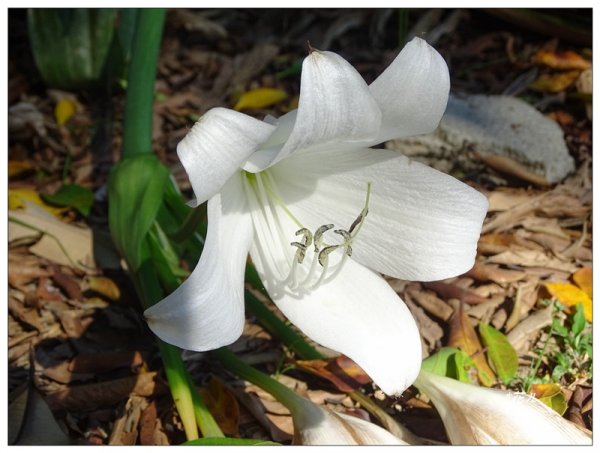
x=64, y=110
x=260, y=98
x=555, y=83
x=570, y=295
x=551, y=395
x=561, y=60
x=583, y=279
x=16, y=167
x=17, y=197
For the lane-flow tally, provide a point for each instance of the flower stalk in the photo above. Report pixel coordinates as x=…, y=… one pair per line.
x=137, y=129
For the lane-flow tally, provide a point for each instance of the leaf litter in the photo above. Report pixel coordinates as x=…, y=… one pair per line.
x=76, y=327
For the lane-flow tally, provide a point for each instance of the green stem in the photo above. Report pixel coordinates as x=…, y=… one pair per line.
x=204, y=418
x=180, y=388
x=283, y=394
x=190, y=225
x=137, y=129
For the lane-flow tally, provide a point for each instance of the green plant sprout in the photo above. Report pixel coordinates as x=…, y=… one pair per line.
x=568, y=349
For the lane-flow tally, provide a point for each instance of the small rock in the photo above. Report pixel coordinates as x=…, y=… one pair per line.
x=496, y=126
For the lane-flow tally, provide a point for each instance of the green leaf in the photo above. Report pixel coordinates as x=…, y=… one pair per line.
x=73, y=196
x=229, y=441
x=458, y=366
x=70, y=46
x=501, y=355
x=450, y=362
x=579, y=321
x=135, y=188
x=438, y=362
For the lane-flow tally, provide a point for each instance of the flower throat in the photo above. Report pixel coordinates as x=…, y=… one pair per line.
x=263, y=192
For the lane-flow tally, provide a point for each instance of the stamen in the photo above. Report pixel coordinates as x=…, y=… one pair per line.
x=347, y=241
x=361, y=217
x=307, y=236
x=324, y=254
x=319, y=235
x=322, y=250
x=301, y=252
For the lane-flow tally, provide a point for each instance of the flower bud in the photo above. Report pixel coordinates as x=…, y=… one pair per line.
x=476, y=415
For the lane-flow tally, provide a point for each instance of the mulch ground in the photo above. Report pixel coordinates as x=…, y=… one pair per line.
x=75, y=333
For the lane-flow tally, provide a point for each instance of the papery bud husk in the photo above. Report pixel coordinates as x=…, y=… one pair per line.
x=474, y=415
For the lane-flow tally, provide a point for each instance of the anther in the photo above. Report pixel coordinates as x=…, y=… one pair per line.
x=301, y=252
x=324, y=254
x=307, y=236
x=347, y=244
x=318, y=238
x=358, y=220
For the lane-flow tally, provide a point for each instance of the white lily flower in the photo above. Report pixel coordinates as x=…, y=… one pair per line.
x=322, y=214
x=476, y=415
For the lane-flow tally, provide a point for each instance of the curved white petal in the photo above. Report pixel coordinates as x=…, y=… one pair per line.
x=412, y=92
x=207, y=310
x=476, y=415
x=217, y=146
x=422, y=224
x=354, y=312
x=335, y=106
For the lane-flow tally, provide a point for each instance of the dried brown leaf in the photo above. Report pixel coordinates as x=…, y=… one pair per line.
x=125, y=428
x=223, y=406
x=29, y=316
x=101, y=362
x=537, y=224
x=513, y=168
x=76, y=241
x=68, y=284
x=341, y=371
x=525, y=299
x=72, y=323
x=487, y=272
x=493, y=243
x=149, y=427
x=280, y=429
x=104, y=394
x=462, y=335
x=451, y=291
x=531, y=258
x=504, y=199
x=430, y=302
x=521, y=336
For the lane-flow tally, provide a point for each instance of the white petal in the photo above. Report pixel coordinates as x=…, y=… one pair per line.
x=335, y=106
x=217, y=146
x=207, y=310
x=422, y=224
x=412, y=92
x=356, y=313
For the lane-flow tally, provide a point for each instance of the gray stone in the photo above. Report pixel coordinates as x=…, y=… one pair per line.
x=496, y=125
